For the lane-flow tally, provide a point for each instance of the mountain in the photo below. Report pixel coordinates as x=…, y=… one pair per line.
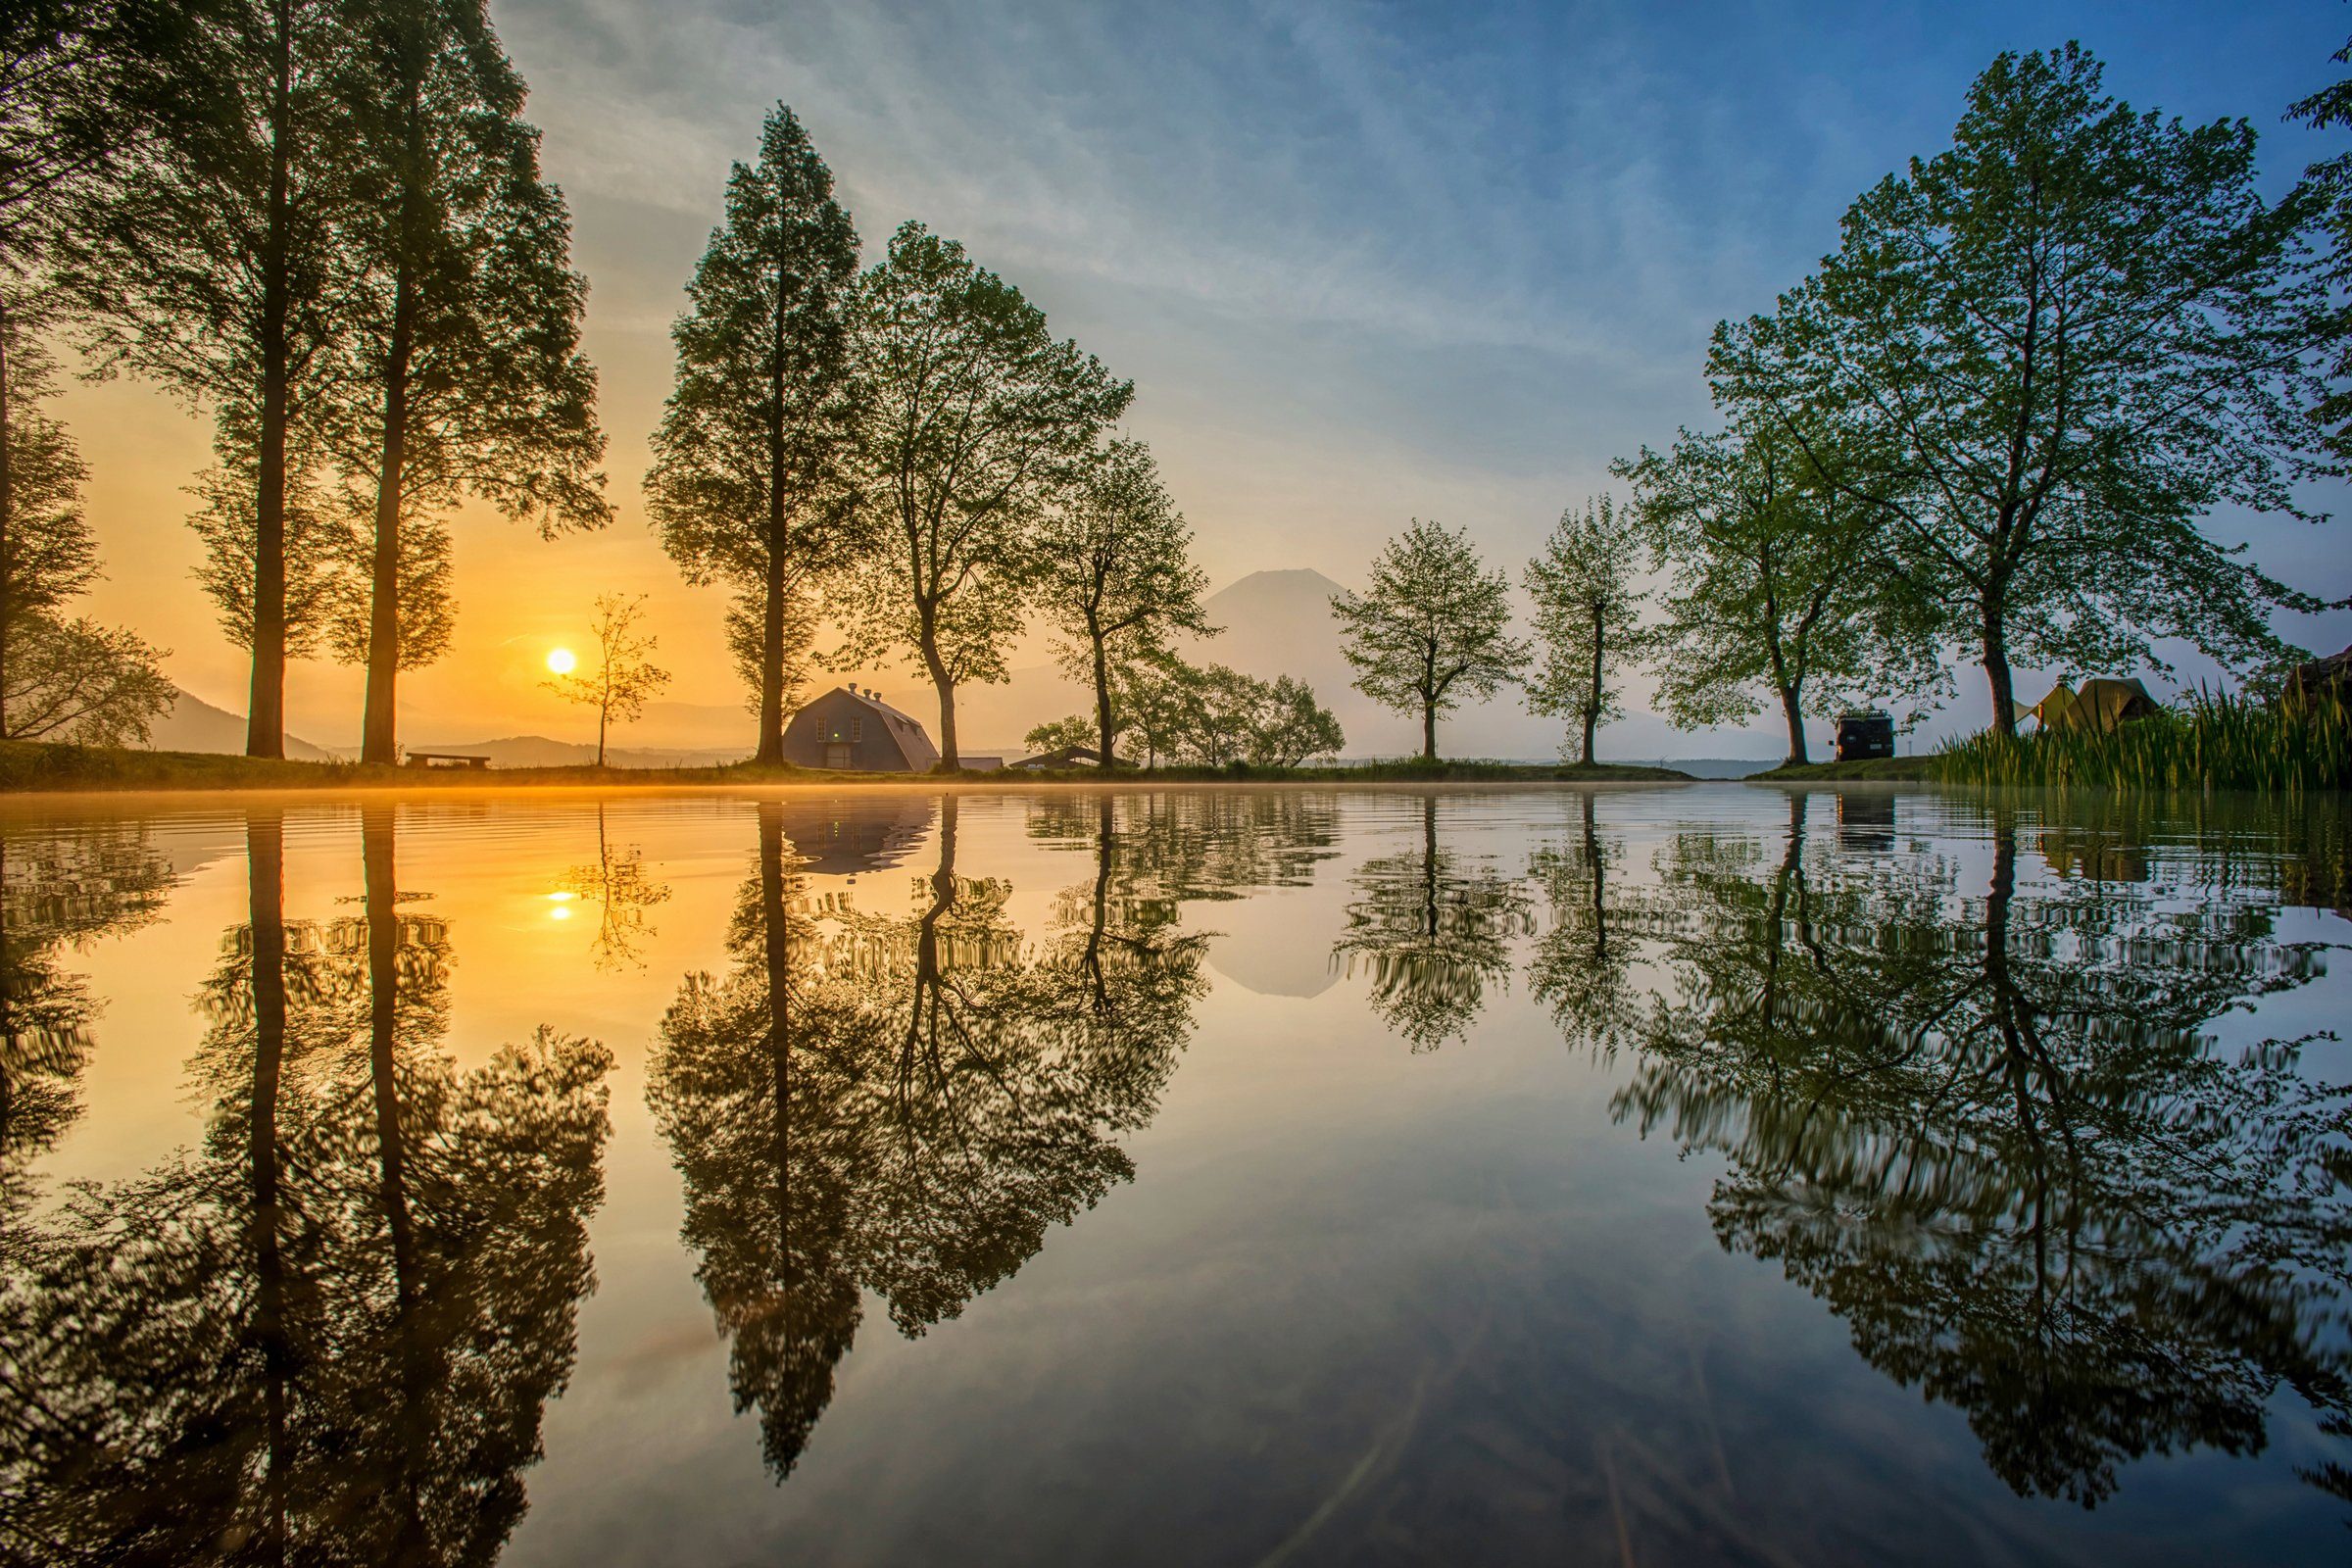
x=196, y=725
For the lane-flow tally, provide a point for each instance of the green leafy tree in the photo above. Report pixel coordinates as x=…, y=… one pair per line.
x=211, y=263
x=625, y=678
x=1114, y=575
x=60, y=678
x=1290, y=725
x=1058, y=734
x=1587, y=617
x=751, y=480
x=457, y=370
x=1775, y=583
x=1431, y=629
x=2069, y=336
x=975, y=420
x=2330, y=182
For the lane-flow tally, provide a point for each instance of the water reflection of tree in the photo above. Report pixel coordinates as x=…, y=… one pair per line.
x=901, y=1103
x=60, y=886
x=1580, y=965
x=622, y=890
x=1997, y=1136
x=329, y=1334
x=1435, y=929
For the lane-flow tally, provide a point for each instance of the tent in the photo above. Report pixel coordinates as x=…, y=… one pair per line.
x=2101, y=703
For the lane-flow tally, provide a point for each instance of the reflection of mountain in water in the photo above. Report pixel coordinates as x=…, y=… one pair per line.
x=1993, y=1129
x=903, y=1103
x=328, y=1335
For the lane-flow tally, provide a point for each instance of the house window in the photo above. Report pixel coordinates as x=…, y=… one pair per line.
x=856, y=729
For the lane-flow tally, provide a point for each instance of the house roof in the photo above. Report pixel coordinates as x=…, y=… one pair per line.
x=913, y=741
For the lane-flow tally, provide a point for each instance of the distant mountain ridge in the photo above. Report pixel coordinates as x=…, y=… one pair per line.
x=196, y=725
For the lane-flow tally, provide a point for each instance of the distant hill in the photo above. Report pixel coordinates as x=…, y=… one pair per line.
x=196, y=725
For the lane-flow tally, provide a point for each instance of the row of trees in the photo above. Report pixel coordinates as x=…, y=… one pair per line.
x=909, y=453
x=321, y=221
x=1210, y=715
x=1993, y=420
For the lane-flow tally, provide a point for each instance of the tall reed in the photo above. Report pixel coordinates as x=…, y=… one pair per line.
x=2211, y=742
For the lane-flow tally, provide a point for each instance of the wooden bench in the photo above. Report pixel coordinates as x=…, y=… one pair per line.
x=447, y=760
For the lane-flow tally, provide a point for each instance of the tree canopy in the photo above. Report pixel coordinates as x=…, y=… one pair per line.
x=2065, y=340
x=1587, y=617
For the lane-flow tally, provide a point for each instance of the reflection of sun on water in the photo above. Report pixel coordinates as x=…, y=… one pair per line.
x=560, y=661
x=559, y=906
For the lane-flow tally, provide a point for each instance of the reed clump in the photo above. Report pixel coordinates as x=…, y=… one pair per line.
x=2210, y=742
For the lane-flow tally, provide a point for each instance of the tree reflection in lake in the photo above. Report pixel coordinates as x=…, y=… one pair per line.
x=1997, y=1134
x=60, y=886
x=327, y=1334
x=1580, y=965
x=617, y=883
x=903, y=1103
x=1433, y=927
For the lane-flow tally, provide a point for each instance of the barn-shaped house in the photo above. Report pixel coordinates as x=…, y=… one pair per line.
x=847, y=728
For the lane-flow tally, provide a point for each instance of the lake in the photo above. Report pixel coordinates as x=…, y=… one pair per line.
x=1714, y=1174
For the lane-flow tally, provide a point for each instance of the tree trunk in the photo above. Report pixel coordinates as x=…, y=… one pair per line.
x=1793, y=712
x=771, y=660
x=379, y=715
x=8, y=573
x=1996, y=667
x=1593, y=706
x=266, y=707
x=1429, y=730
x=771, y=627
x=379, y=720
x=945, y=684
x=1102, y=704
x=600, y=712
x=266, y=924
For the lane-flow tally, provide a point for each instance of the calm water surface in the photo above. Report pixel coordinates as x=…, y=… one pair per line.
x=1712, y=1175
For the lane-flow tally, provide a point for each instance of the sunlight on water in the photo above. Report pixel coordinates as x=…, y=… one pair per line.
x=1710, y=1175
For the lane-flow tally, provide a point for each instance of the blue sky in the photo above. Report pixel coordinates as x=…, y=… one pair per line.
x=1363, y=261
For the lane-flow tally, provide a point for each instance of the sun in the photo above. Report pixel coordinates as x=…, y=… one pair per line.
x=560, y=661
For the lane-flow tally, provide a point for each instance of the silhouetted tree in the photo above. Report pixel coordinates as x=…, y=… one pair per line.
x=625, y=678
x=975, y=420
x=751, y=482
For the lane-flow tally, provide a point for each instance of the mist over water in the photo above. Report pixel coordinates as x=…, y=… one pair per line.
x=1712, y=1174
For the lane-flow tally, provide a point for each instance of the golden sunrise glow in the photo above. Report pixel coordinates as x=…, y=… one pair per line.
x=560, y=661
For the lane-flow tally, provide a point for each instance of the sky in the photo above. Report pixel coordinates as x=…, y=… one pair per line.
x=1364, y=263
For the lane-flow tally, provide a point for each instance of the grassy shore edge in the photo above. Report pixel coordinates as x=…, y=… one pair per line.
x=29, y=768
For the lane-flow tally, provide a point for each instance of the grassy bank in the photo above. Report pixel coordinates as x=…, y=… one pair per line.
x=29, y=766
x=2222, y=743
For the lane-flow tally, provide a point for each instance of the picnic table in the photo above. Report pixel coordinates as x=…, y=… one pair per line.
x=447, y=760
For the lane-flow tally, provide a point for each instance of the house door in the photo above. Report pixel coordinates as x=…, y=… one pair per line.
x=837, y=754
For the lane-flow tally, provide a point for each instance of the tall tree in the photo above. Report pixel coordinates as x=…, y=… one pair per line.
x=1114, y=573
x=1774, y=582
x=625, y=678
x=751, y=480
x=975, y=417
x=59, y=678
x=211, y=265
x=2329, y=183
x=460, y=372
x=1588, y=615
x=2070, y=335
x=1431, y=629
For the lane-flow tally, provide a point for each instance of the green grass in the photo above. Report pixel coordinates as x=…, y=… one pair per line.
x=27, y=766
x=2214, y=743
x=2218, y=743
